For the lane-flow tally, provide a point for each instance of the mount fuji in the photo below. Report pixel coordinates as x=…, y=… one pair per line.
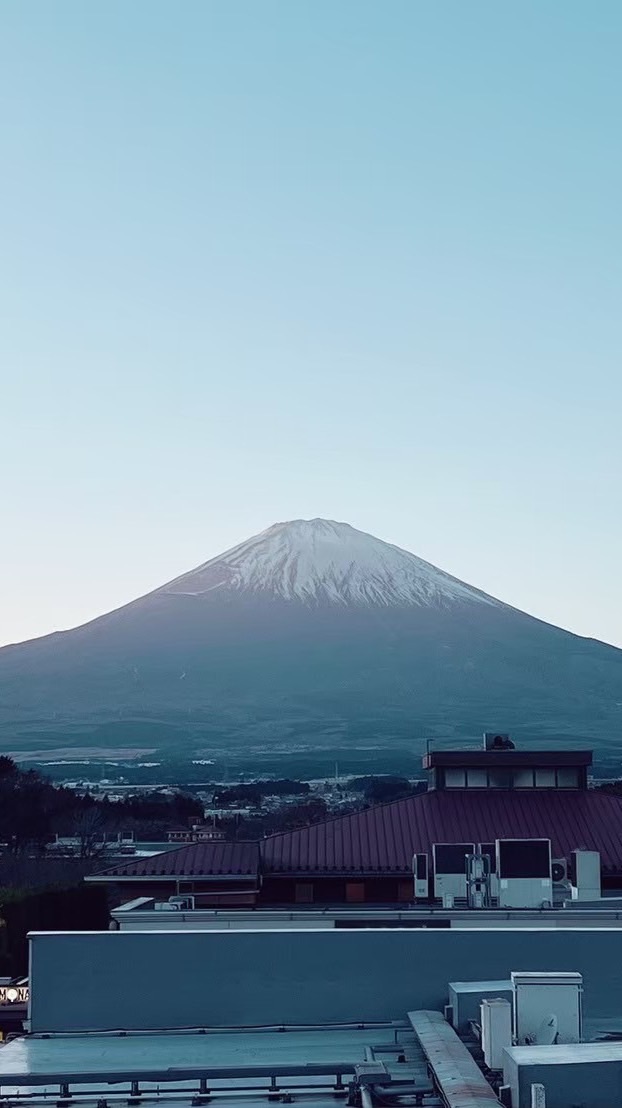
x=311, y=636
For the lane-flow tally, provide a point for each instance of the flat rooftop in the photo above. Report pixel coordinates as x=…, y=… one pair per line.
x=564, y=1055
x=104, y=1065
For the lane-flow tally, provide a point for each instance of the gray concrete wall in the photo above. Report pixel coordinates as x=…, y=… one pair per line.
x=107, y=980
x=598, y=1084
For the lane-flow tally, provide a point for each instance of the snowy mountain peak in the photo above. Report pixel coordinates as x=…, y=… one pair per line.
x=319, y=561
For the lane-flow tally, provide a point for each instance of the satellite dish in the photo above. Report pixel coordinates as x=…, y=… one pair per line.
x=546, y=1034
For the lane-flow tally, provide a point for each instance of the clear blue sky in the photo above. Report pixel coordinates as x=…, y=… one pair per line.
x=268, y=259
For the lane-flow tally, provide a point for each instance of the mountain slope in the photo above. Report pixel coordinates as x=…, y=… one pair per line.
x=311, y=635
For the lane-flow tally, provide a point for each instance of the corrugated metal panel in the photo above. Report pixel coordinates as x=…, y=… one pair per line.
x=384, y=839
x=194, y=860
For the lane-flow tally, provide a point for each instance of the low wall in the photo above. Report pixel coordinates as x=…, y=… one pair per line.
x=149, y=980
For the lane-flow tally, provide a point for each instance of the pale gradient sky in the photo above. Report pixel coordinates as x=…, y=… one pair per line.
x=268, y=259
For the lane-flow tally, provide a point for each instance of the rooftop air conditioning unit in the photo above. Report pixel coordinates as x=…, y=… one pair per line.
x=524, y=872
x=420, y=874
x=450, y=870
x=491, y=850
x=182, y=903
x=586, y=875
x=559, y=873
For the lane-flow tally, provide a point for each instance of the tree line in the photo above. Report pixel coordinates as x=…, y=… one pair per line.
x=33, y=811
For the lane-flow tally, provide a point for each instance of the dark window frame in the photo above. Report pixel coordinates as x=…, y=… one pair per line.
x=556, y=770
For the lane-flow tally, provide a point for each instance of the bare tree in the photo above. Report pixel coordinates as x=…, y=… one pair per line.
x=89, y=828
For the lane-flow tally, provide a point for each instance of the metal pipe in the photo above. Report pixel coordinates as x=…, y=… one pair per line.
x=153, y=1096
x=156, y=1096
x=366, y=1097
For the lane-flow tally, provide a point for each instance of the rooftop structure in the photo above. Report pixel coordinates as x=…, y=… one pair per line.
x=240, y=1067
x=198, y=833
x=156, y=980
x=474, y=798
x=149, y=914
x=373, y=1019
x=210, y=859
x=502, y=768
x=383, y=839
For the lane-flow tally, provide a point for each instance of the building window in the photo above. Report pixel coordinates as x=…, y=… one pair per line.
x=405, y=892
x=477, y=778
x=500, y=779
x=355, y=892
x=545, y=778
x=455, y=779
x=303, y=893
x=523, y=779
x=567, y=779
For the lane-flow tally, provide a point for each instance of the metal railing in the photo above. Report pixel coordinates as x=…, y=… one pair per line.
x=145, y=1083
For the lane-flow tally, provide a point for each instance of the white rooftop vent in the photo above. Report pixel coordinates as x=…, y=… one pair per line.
x=496, y=1023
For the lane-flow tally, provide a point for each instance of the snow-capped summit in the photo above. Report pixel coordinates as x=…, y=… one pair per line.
x=317, y=561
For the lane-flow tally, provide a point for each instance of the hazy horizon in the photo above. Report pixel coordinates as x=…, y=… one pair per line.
x=264, y=261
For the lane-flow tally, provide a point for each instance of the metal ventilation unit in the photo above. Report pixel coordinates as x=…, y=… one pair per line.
x=560, y=876
x=490, y=849
x=478, y=880
x=547, y=1008
x=559, y=871
x=524, y=872
x=421, y=877
x=181, y=903
x=586, y=875
x=450, y=870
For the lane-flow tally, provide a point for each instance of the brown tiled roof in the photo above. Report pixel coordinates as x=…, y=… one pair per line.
x=200, y=859
x=383, y=839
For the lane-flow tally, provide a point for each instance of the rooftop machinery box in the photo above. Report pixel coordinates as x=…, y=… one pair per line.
x=582, y=1073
